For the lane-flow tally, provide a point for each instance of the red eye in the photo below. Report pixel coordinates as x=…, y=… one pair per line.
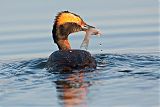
x=83, y=24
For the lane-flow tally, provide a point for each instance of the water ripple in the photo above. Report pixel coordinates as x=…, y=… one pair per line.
x=23, y=75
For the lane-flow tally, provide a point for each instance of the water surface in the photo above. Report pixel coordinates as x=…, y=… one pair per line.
x=127, y=53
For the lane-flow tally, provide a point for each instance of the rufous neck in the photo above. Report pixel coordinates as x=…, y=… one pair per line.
x=63, y=44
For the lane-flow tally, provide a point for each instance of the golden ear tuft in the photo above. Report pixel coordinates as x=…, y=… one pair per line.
x=65, y=16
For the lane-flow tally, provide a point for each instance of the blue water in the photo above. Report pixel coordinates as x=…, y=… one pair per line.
x=120, y=80
x=127, y=53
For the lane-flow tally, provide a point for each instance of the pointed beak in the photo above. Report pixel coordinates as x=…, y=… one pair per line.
x=91, y=30
x=86, y=27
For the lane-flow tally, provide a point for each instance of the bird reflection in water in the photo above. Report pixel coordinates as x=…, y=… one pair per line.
x=72, y=89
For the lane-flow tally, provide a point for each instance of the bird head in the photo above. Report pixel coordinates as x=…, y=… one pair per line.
x=65, y=24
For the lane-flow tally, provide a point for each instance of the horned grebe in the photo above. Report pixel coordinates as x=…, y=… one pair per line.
x=67, y=59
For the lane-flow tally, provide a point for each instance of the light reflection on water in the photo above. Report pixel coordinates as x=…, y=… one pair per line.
x=118, y=80
x=129, y=28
